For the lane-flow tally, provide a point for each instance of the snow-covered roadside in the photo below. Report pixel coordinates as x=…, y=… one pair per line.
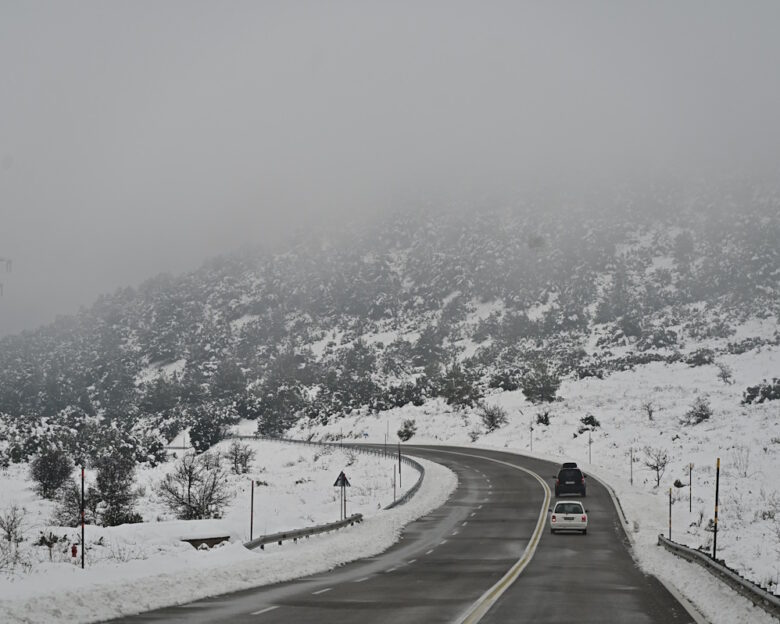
x=745, y=437
x=107, y=592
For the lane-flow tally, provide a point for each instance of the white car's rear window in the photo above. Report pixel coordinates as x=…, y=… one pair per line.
x=568, y=508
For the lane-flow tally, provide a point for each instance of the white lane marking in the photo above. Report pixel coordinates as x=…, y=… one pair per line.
x=454, y=532
x=429, y=552
x=444, y=541
x=411, y=562
x=365, y=578
x=321, y=591
x=266, y=610
x=480, y=507
x=465, y=523
x=391, y=570
x=473, y=513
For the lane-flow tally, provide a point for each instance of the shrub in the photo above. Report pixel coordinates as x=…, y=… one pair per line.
x=701, y=357
x=589, y=422
x=762, y=392
x=699, y=412
x=407, y=430
x=543, y=418
x=493, y=417
x=50, y=469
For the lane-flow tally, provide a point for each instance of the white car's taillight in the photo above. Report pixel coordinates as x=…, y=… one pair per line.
x=584, y=518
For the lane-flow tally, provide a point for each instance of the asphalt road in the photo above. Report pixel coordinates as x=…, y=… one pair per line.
x=448, y=560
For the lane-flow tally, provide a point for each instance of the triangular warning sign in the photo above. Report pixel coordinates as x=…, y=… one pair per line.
x=342, y=480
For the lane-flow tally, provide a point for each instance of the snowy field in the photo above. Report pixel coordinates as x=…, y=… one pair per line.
x=142, y=566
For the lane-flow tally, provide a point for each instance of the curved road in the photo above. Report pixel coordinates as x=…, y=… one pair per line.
x=448, y=560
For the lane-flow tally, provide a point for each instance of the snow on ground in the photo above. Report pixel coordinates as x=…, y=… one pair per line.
x=132, y=568
x=745, y=438
x=139, y=567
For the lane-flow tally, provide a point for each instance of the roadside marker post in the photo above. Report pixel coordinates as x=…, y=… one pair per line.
x=690, y=488
x=252, y=512
x=83, y=545
x=715, y=533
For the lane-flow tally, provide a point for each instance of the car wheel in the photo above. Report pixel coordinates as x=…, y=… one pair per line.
x=552, y=531
x=583, y=494
x=584, y=531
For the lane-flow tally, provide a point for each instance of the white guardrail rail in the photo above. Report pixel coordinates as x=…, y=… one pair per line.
x=758, y=596
x=296, y=534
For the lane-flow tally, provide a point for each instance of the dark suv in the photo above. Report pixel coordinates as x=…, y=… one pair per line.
x=570, y=481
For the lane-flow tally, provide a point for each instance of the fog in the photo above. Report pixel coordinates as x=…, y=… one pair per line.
x=141, y=137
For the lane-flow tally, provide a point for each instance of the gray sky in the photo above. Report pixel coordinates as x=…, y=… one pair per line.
x=145, y=136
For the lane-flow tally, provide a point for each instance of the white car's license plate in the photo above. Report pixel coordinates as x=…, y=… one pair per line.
x=568, y=517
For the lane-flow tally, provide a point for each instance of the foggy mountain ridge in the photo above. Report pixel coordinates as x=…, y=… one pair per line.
x=452, y=303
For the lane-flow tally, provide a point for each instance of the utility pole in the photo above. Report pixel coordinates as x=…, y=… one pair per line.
x=631, y=460
x=590, y=443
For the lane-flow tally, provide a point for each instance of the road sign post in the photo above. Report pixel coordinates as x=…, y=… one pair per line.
x=343, y=483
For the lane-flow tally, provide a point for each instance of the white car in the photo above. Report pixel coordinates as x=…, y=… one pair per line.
x=569, y=516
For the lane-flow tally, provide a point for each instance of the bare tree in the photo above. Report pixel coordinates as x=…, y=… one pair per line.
x=725, y=374
x=649, y=409
x=196, y=488
x=656, y=459
x=240, y=456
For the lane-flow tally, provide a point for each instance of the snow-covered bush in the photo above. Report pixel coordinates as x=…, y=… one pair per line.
x=698, y=413
x=493, y=416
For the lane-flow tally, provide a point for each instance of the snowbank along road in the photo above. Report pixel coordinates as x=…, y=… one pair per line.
x=486, y=555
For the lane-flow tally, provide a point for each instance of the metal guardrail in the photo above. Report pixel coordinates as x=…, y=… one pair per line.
x=324, y=528
x=296, y=534
x=757, y=595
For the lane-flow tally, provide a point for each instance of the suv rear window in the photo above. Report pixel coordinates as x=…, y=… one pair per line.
x=570, y=474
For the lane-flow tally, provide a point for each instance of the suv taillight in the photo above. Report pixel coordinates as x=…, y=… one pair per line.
x=552, y=518
x=584, y=518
